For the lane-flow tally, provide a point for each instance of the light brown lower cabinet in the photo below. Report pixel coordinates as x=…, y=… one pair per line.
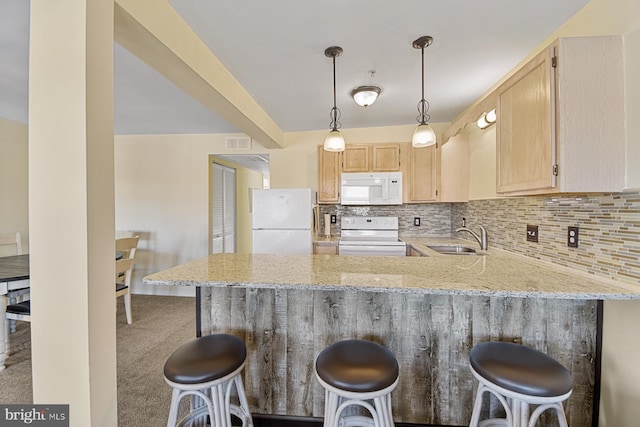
x=325, y=249
x=413, y=252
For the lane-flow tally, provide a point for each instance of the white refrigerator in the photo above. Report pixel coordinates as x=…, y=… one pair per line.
x=283, y=220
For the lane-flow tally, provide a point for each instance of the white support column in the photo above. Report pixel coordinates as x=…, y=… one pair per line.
x=71, y=208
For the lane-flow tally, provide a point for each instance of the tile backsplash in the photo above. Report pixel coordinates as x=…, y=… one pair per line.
x=609, y=230
x=435, y=219
x=609, y=227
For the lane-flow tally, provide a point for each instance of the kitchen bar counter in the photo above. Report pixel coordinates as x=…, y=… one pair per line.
x=430, y=311
x=496, y=274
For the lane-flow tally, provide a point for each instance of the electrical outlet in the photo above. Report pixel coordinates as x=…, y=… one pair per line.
x=334, y=219
x=572, y=237
x=532, y=233
x=416, y=221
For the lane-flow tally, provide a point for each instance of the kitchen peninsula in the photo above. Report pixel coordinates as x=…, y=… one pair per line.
x=428, y=310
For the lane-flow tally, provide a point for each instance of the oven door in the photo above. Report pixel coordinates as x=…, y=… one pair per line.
x=372, y=250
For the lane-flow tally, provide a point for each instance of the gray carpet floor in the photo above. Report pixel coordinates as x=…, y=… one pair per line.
x=160, y=325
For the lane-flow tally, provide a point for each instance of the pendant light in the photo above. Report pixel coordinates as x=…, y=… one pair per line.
x=334, y=141
x=423, y=136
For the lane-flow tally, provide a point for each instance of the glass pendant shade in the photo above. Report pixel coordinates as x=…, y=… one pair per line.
x=423, y=136
x=365, y=95
x=334, y=141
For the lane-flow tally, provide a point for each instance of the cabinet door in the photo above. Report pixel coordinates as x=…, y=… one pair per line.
x=355, y=158
x=325, y=249
x=423, y=177
x=385, y=157
x=413, y=252
x=328, y=176
x=526, y=128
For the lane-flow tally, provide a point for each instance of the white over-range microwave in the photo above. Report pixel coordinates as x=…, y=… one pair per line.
x=371, y=188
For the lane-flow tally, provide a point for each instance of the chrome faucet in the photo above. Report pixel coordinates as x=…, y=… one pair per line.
x=482, y=239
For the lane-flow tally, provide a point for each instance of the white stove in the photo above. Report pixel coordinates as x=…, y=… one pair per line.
x=370, y=236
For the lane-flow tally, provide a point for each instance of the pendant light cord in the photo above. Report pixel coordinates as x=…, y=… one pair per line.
x=423, y=106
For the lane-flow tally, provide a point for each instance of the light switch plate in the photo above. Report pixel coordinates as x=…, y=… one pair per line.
x=532, y=233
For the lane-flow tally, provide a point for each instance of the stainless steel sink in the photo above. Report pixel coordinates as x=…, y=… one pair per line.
x=455, y=250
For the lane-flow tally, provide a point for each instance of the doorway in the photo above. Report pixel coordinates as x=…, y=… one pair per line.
x=223, y=209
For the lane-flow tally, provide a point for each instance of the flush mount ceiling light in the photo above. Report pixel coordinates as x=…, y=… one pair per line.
x=487, y=119
x=334, y=141
x=365, y=95
x=423, y=136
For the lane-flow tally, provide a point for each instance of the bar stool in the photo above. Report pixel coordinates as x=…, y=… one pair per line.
x=357, y=373
x=207, y=368
x=518, y=376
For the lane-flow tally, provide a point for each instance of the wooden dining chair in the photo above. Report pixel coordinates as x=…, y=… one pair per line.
x=11, y=243
x=18, y=311
x=123, y=284
x=126, y=247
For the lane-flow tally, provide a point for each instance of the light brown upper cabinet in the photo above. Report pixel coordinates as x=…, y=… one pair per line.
x=423, y=170
x=355, y=158
x=561, y=120
x=385, y=157
x=371, y=158
x=328, y=176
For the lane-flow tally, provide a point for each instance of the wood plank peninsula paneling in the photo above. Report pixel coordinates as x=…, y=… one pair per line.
x=428, y=310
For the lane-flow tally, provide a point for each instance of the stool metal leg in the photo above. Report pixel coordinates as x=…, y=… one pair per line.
x=203, y=411
x=477, y=408
x=330, y=407
x=517, y=410
x=383, y=407
x=241, y=411
x=197, y=403
x=562, y=419
x=173, y=410
x=221, y=416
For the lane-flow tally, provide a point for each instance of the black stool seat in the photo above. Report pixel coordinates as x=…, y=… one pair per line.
x=20, y=308
x=357, y=366
x=520, y=369
x=205, y=359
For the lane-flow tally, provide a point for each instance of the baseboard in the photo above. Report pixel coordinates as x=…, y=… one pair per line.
x=260, y=420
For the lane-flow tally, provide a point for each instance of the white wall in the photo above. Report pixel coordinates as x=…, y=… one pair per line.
x=162, y=193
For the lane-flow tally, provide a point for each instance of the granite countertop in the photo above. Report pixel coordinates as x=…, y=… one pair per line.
x=498, y=273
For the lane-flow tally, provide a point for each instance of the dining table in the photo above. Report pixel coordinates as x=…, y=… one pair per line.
x=14, y=276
